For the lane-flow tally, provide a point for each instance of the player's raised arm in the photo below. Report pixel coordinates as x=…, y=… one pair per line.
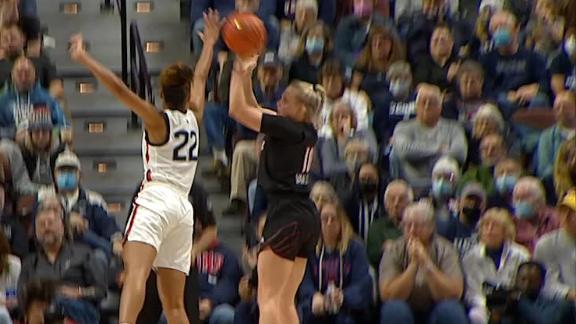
x=152, y=118
x=209, y=36
x=243, y=109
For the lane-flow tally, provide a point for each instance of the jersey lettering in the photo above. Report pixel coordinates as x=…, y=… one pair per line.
x=180, y=153
x=303, y=178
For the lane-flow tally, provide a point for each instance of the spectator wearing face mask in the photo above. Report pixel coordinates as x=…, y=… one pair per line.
x=353, y=31
x=337, y=286
x=460, y=228
x=492, y=150
x=469, y=95
x=506, y=175
x=86, y=211
x=395, y=105
x=554, y=136
x=382, y=50
x=531, y=215
x=364, y=205
x=563, y=65
x=386, y=228
x=516, y=76
x=331, y=150
x=445, y=176
x=565, y=168
x=417, y=144
x=314, y=49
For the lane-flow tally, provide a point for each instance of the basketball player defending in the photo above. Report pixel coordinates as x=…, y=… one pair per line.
x=293, y=226
x=159, y=230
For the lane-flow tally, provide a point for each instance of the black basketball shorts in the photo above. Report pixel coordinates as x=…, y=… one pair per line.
x=292, y=227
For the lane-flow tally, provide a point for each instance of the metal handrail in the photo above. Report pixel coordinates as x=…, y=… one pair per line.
x=140, y=81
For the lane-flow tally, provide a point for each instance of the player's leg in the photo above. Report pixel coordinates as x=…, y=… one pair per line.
x=138, y=258
x=171, y=284
x=286, y=297
x=273, y=272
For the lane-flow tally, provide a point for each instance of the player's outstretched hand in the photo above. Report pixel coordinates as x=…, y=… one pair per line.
x=212, y=25
x=77, y=49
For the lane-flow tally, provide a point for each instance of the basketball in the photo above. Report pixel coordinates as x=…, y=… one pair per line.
x=244, y=34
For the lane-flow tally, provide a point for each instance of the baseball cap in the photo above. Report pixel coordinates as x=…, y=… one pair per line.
x=270, y=59
x=474, y=189
x=569, y=200
x=67, y=159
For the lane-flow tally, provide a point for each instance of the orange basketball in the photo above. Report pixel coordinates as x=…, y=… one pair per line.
x=244, y=34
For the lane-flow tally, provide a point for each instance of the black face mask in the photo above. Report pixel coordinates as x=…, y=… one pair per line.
x=472, y=214
x=368, y=189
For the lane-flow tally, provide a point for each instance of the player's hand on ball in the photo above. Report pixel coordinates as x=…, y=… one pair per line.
x=212, y=25
x=245, y=65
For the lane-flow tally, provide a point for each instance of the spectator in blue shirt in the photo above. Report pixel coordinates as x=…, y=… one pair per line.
x=395, y=105
x=337, y=286
x=22, y=95
x=516, y=77
x=563, y=66
x=352, y=32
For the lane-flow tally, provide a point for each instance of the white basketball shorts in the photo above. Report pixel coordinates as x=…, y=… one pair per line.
x=163, y=217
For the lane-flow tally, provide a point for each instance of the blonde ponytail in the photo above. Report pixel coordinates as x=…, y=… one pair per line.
x=312, y=96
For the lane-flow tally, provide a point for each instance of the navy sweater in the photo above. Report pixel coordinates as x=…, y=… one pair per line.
x=219, y=274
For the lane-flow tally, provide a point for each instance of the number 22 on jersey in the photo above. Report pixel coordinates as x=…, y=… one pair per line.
x=187, y=147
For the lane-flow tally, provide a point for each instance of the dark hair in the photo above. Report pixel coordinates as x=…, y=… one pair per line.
x=535, y=264
x=38, y=290
x=444, y=25
x=331, y=68
x=175, y=82
x=472, y=67
x=4, y=252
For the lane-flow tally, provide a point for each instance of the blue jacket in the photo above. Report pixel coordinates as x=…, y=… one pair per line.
x=388, y=112
x=93, y=208
x=219, y=274
x=356, y=280
x=16, y=108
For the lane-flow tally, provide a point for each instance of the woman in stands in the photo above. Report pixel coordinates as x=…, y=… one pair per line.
x=293, y=225
x=159, y=231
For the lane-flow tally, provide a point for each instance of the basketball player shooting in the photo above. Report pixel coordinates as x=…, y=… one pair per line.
x=293, y=226
x=160, y=228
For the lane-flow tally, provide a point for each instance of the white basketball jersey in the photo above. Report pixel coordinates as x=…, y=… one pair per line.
x=174, y=162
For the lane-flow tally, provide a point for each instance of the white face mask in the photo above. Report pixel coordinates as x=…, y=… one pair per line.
x=570, y=45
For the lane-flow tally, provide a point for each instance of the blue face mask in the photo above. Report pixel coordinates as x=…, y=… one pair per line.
x=502, y=37
x=314, y=45
x=67, y=181
x=442, y=188
x=524, y=210
x=506, y=183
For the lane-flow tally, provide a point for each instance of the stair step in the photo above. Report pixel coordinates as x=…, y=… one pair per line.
x=105, y=144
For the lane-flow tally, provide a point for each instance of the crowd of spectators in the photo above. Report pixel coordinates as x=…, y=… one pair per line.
x=444, y=171
x=445, y=163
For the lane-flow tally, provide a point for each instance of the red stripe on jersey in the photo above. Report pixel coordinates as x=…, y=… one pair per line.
x=132, y=217
x=147, y=152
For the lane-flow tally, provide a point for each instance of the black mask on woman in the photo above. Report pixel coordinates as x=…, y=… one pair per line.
x=369, y=189
x=472, y=214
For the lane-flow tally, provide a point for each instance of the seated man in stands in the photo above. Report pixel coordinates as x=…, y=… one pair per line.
x=21, y=98
x=556, y=251
x=13, y=41
x=420, y=276
x=79, y=276
x=86, y=211
x=386, y=228
x=492, y=150
x=417, y=144
x=531, y=215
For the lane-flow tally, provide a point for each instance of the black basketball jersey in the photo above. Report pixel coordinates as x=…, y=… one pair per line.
x=286, y=156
